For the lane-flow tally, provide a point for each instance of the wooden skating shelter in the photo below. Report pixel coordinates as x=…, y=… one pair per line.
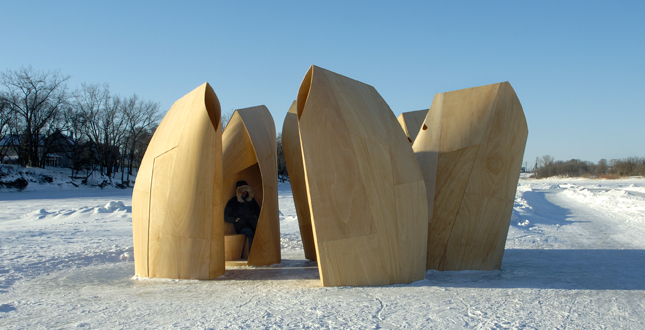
x=470, y=149
x=377, y=202
x=250, y=154
x=364, y=187
x=176, y=214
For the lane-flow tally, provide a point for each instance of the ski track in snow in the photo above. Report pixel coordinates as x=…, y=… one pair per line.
x=575, y=258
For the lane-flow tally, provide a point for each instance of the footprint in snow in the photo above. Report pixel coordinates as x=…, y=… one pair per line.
x=5, y=308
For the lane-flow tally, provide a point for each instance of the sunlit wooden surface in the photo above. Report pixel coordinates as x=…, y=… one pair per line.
x=470, y=149
x=176, y=217
x=365, y=189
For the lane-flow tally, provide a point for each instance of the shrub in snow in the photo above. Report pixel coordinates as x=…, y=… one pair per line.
x=19, y=183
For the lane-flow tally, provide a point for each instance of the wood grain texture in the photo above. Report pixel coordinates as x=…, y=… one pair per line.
x=295, y=168
x=250, y=154
x=411, y=123
x=364, y=187
x=233, y=246
x=175, y=222
x=471, y=150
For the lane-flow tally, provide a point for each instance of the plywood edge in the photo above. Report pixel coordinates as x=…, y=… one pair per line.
x=237, y=148
x=259, y=125
x=401, y=121
x=293, y=159
x=267, y=232
x=237, y=263
x=212, y=105
x=317, y=246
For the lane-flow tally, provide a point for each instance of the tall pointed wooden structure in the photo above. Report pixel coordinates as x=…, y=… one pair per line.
x=470, y=149
x=176, y=220
x=293, y=158
x=366, y=193
x=411, y=123
x=250, y=154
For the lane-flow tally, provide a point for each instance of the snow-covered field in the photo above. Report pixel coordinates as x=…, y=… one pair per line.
x=575, y=258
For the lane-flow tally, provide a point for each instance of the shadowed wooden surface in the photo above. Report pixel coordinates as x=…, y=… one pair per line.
x=250, y=154
x=364, y=187
x=411, y=123
x=176, y=223
x=233, y=246
x=470, y=148
x=293, y=158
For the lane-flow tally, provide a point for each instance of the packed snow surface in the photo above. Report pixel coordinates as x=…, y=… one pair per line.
x=575, y=258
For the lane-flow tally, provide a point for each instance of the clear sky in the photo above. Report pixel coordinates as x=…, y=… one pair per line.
x=578, y=67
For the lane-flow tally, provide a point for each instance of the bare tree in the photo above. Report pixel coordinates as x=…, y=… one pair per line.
x=52, y=139
x=139, y=117
x=6, y=125
x=143, y=142
x=36, y=97
x=226, y=117
x=105, y=126
x=89, y=102
x=602, y=168
x=78, y=150
x=282, y=163
x=547, y=160
x=4, y=116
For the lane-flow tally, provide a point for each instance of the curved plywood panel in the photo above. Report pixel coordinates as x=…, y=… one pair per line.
x=175, y=222
x=411, y=123
x=250, y=154
x=293, y=158
x=470, y=149
x=366, y=192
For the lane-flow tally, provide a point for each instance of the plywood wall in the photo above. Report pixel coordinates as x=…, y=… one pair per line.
x=176, y=223
x=365, y=190
x=470, y=149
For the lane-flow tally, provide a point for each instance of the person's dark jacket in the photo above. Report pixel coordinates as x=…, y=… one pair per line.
x=242, y=212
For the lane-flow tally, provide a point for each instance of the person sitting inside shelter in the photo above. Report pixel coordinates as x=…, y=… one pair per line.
x=243, y=211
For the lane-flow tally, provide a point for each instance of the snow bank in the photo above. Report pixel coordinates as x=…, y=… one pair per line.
x=56, y=178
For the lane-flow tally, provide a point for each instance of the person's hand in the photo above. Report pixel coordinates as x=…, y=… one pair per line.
x=237, y=219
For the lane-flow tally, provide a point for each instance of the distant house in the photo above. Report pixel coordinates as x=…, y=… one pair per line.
x=9, y=149
x=57, y=147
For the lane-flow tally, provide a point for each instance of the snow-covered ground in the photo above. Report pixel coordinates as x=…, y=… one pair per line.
x=575, y=258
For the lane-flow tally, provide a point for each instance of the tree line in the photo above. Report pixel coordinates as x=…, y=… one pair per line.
x=546, y=166
x=41, y=118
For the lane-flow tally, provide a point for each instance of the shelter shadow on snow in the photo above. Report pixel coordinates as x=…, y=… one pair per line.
x=554, y=269
x=547, y=213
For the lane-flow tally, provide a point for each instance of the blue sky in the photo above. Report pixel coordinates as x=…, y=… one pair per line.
x=577, y=66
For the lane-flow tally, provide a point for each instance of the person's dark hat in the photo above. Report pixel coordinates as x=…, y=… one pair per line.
x=241, y=183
